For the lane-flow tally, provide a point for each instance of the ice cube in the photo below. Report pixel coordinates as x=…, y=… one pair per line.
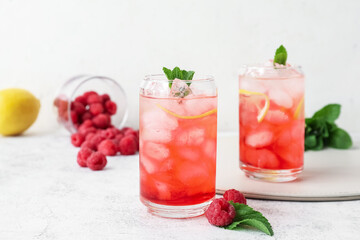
x=192, y=173
x=210, y=148
x=280, y=97
x=188, y=153
x=252, y=85
x=147, y=164
x=276, y=117
x=179, y=88
x=157, y=126
x=199, y=106
x=259, y=138
x=156, y=88
x=192, y=137
x=262, y=158
x=156, y=151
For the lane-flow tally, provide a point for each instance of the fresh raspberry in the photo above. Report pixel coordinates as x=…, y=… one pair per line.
x=127, y=145
x=86, y=116
x=102, y=120
x=77, y=139
x=105, y=97
x=235, y=196
x=96, y=139
x=220, y=212
x=94, y=98
x=85, y=130
x=109, y=133
x=96, y=108
x=107, y=147
x=119, y=136
x=78, y=107
x=81, y=99
x=89, y=136
x=110, y=107
x=83, y=155
x=87, y=94
x=96, y=161
x=87, y=123
x=88, y=144
x=74, y=117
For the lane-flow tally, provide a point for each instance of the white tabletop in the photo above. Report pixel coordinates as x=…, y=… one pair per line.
x=44, y=194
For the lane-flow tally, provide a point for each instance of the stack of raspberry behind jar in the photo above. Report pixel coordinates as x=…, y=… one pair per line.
x=91, y=115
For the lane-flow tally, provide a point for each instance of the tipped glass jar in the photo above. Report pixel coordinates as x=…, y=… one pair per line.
x=73, y=105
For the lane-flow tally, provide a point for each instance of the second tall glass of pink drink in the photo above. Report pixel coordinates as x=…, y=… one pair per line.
x=271, y=122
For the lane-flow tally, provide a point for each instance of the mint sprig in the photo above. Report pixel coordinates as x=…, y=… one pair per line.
x=246, y=216
x=280, y=56
x=321, y=130
x=179, y=74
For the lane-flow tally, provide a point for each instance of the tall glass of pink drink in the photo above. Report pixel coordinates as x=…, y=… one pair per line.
x=178, y=131
x=271, y=122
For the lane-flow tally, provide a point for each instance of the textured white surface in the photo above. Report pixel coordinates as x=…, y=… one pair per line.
x=45, y=195
x=43, y=43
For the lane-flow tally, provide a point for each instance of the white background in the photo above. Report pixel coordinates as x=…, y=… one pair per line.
x=43, y=43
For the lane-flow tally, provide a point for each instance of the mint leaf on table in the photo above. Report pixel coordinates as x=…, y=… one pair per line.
x=280, y=55
x=340, y=139
x=246, y=216
x=179, y=74
x=329, y=113
x=321, y=130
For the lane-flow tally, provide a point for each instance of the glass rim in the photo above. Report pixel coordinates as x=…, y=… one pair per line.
x=162, y=77
x=263, y=66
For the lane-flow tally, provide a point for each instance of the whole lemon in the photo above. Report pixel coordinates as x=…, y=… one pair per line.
x=18, y=111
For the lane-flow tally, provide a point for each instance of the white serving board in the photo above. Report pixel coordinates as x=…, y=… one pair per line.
x=328, y=175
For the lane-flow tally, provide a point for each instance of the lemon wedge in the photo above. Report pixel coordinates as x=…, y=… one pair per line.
x=262, y=111
x=187, y=117
x=299, y=109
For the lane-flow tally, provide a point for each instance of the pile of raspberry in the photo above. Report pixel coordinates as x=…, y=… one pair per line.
x=96, y=136
x=221, y=212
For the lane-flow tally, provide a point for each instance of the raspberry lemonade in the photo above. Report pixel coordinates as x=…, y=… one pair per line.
x=178, y=130
x=271, y=120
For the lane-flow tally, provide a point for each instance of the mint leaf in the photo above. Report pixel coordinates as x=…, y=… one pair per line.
x=179, y=74
x=280, y=55
x=168, y=73
x=340, y=139
x=310, y=141
x=330, y=112
x=246, y=216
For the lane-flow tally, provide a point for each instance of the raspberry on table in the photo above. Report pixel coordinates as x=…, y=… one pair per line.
x=96, y=139
x=94, y=98
x=102, y=120
x=83, y=155
x=128, y=145
x=220, y=212
x=119, y=136
x=84, y=130
x=110, y=107
x=96, y=161
x=96, y=108
x=235, y=196
x=108, y=133
x=77, y=139
x=107, y=147
x=88, y=144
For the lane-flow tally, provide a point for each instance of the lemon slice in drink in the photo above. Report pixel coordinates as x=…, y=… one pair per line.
x=187, y=117
x=262, y=110
x=299, y=109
